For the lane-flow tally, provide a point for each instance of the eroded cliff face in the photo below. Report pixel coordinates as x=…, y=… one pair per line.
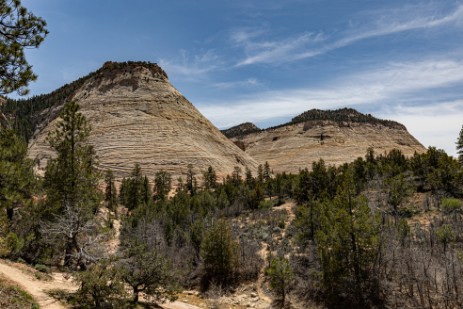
x=295, y=146
x=137, y=116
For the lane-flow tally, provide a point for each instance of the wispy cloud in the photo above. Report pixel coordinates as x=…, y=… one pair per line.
x=250, y=82
x=441, y=131
x=396, y=21
x=391, y=90
x=308, y=45
x=193, y=66
x=272, y=51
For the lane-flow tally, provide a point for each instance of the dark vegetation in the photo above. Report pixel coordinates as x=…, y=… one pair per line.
x=241, y=130
x=381, y=232
x=342, y=116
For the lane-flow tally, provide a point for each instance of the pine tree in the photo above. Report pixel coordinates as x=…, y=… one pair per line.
x=110, y=192
x=16, y=175
x=191, y=180
x=281, y=276
x=347, y=241
x=220, y=253
x=460, y=146
x=210, y=178
x=19, y=30
x=71, y=183
x=162, y=185
x=134, y=188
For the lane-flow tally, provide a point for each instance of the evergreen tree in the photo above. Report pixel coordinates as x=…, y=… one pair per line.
x=16, y=175
x=133, y=195
x=260, y=174
x=220, y=254
x=210, y=178
x=147, y=270
x=110, y=191
x=71, y=182
x=348, y=243
x=281, y=276
x=236, y=176
x=191, y=183
x=248, y=179
x=460, y=146
x=162, y=185
x=19, y=30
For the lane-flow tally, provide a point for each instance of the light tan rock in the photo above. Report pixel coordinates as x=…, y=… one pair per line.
x=137, y=116
x=295, y=146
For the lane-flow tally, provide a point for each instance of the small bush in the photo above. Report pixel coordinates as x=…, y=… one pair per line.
x=266, y=204
x=451, y=205
x=14, y=243
x=42, y=268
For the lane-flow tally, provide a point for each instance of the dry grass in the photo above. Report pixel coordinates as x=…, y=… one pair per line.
x=13, y=297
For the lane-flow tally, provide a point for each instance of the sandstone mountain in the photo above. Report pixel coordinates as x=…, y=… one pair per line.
x=337, y=137
x=137, y=116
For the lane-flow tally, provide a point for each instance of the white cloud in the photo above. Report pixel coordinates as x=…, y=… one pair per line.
x=312, y=44
x=193, y=66
x=250, y=82
x=272, y=51
x=434, y=125
x=390, y=90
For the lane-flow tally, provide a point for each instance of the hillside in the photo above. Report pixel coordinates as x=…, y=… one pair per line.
x=137, y=116
x=337, y=137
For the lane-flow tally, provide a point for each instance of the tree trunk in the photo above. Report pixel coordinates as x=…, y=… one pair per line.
x=68, y=253
x=135, y=295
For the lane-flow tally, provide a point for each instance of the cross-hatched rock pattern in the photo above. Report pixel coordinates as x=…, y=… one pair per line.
x=295, y=146
x=137, y=116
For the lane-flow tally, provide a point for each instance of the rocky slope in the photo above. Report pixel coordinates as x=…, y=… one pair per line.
x=137, y=116
x=335, y=136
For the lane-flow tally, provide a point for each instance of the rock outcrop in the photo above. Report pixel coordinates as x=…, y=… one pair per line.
x=137, y=116
x=336, y=137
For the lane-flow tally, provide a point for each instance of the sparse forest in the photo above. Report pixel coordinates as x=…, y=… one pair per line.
x=381, y=232
x=384, y=231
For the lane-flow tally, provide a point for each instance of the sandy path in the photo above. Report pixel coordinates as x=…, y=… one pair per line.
x=35, y=287
x=178, y=305
x=289, y=207
x=39, y=288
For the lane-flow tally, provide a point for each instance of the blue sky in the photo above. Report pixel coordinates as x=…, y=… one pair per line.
x=266, y=61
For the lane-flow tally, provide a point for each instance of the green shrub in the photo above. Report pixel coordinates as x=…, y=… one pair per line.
x=14, y=243
x=42, y=268
x=451, y=205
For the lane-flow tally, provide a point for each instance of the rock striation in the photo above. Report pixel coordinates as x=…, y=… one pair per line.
x=137, y=116
x=337, y=137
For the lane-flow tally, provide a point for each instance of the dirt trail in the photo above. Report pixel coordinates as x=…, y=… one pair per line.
x=35, y=287
x=260, y=280
x=178, y=305
x=263, y=253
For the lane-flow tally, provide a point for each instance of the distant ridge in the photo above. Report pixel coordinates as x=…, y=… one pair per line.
x=342, y=116
x=241, y=130
x=336, y=136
